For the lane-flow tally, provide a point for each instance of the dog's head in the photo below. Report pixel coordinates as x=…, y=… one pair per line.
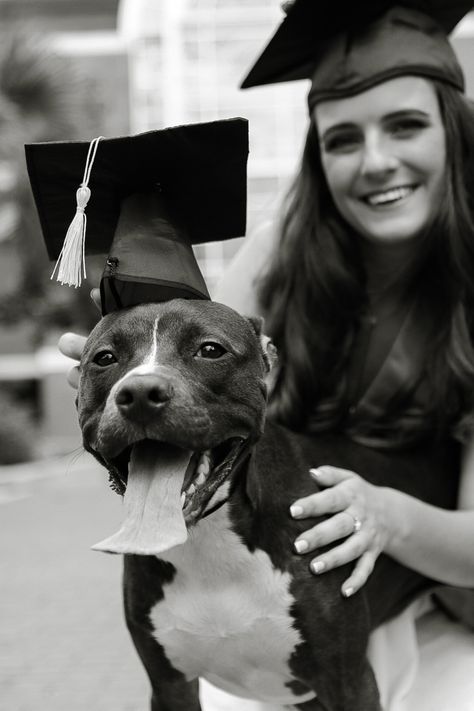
x=173, y=391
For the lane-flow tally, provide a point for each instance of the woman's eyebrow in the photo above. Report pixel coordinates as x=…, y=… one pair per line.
x=336, y=128
x=407, y=113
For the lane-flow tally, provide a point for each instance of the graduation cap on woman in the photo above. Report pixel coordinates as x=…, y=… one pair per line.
x=346, y=47
x=144, y=200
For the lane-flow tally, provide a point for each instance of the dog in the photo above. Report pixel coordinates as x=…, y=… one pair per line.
x=172, y=401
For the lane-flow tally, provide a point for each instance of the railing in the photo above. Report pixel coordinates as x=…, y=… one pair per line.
x=58, y=428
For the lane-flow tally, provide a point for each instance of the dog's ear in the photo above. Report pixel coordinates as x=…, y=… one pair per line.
x=269, y=351
x=257, y=324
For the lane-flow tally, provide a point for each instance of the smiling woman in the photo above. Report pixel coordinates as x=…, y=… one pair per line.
x=366, y=288
x=377, y=231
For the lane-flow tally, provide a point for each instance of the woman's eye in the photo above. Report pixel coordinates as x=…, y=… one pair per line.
x=211, y=351
x=104, y=358
x=407, y=128
x=341, y=143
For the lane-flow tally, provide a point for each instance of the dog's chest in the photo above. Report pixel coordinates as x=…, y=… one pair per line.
x=226, y=614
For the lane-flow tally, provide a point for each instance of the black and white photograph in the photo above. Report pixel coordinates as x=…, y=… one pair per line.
x=237, y=355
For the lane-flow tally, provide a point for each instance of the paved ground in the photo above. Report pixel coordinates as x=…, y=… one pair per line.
x=63, y=641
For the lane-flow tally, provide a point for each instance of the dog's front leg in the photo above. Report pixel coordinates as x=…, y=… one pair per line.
x=142, y=587
x=170, y=690
x=180, y=696
x=362, y=696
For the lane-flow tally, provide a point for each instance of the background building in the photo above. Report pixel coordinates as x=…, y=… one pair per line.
x=135, y=65
x=186, y=60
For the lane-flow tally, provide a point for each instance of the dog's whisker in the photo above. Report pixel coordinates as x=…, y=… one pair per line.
x=73, y=457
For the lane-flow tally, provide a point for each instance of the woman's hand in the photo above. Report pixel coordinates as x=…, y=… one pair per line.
x=72, y=345
x=358, y=518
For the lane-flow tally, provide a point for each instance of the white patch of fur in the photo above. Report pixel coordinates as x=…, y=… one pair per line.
x=225, y=616
x=147, y=366
x=151, y=359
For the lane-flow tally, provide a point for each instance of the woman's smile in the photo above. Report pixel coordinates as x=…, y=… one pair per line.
x=389, y=197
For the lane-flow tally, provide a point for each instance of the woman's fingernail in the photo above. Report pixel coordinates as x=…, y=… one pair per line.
x=296, y=510
x=317, y=566
x=315, y=473
x=301, y=546
x=347, y=592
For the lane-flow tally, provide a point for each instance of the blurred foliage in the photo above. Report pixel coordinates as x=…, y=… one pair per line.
x=17, y=430
x=42, y=98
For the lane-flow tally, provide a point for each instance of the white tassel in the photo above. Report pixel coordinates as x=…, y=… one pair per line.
x=71, y=263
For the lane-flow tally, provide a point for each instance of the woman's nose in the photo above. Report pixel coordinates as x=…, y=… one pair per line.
x=378, y=157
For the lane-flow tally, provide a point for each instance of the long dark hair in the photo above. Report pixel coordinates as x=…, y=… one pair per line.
x=314, y=290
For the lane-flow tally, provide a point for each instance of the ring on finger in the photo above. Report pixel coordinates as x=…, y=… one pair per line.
x=357, y=522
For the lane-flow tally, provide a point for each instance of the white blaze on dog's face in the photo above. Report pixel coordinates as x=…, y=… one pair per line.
x=163, y=378
x=151, y=359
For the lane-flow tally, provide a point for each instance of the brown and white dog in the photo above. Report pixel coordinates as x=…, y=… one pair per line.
x=172, y=400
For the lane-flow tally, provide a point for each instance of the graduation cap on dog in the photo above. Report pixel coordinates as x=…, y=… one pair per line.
x=144, y=201
x=346, y=47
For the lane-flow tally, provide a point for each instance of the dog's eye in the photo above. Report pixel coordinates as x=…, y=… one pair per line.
x=211, y=351
x=104, y=358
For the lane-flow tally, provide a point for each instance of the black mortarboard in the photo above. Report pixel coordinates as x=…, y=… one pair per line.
x=345, y=47
x=150, y=198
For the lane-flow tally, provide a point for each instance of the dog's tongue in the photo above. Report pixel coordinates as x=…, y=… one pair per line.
x=154, y=519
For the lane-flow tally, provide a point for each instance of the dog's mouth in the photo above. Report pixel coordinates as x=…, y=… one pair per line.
x=166, y=489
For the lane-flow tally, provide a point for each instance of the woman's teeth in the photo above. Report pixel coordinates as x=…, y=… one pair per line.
x=202, y=470
x=388, y=196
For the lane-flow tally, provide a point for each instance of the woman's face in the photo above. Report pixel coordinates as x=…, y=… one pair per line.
x=384, y=156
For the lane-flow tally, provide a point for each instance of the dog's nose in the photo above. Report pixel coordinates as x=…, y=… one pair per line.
x=141, y=395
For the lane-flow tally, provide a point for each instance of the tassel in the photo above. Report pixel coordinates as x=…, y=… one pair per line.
x=71, y=263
